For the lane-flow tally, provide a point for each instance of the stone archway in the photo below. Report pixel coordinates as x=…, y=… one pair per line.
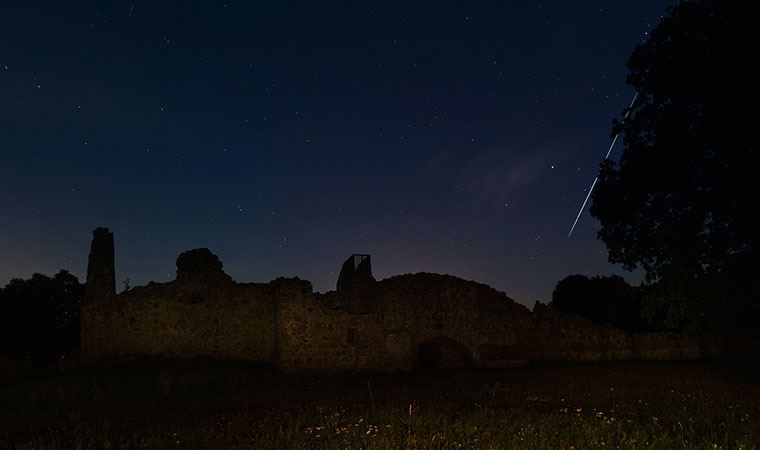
x=444, y=353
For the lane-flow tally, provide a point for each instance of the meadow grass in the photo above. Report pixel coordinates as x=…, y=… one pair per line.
x=196, y=404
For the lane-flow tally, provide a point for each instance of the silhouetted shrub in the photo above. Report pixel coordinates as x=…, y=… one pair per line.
x=39, y=317
x=608, y=301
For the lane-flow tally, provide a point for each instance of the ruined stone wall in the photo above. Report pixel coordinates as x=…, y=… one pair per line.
x=315, y=338
x=231, y=322
x=101, y=271
x=203, y=313
x=399, y=323
x=285, y=324
x=555, y=336
x=399, y=315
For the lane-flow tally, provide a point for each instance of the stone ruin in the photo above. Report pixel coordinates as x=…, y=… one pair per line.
x=399, y=323
x=357, y=269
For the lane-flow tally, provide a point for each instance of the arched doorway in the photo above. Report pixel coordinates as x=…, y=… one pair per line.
x=444, y=353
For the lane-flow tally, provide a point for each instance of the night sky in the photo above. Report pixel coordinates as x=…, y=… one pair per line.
x=437, y=136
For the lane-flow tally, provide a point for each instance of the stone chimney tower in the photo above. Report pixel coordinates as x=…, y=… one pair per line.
x=101, y=273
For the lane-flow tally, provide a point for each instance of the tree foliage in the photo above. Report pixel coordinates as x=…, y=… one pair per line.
x=608, y=301
x=681, y=203
x=39, y=317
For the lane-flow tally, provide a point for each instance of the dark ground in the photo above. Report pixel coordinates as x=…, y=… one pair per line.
x=234, y=405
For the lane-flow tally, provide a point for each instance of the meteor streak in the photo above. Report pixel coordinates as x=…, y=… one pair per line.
x=607, y=156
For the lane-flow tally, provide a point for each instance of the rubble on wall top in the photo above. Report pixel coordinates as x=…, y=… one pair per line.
x=200, y=266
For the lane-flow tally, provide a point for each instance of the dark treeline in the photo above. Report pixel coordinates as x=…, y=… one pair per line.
x=610, y=301
x=39, y=317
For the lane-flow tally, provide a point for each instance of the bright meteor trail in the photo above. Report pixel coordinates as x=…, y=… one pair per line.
x=591, y=189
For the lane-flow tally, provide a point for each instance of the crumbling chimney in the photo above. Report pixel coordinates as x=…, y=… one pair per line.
x=101, y=273
x=356, y=270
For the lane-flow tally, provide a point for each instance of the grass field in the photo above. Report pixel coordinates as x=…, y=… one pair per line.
x=229, y=405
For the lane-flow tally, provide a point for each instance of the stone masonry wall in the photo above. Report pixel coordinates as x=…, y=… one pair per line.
x=403, y=313
x=203, y=313
x=559, y=337
x=399, y=323
x=230, y=322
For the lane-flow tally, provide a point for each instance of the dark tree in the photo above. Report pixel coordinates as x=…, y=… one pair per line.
x=682, y=202
x=39, y=317
x=608, y=301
